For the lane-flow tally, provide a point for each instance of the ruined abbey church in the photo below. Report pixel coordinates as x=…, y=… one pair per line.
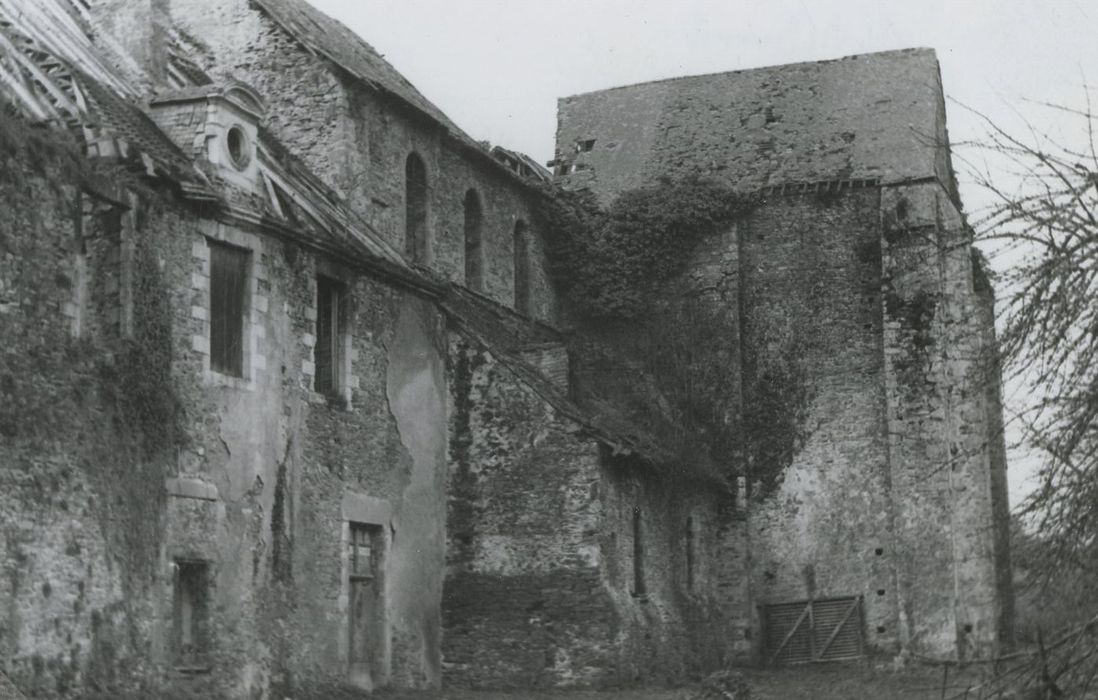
x=293, y=398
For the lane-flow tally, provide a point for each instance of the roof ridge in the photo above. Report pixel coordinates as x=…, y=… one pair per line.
x=779, y=66
x=325, y=35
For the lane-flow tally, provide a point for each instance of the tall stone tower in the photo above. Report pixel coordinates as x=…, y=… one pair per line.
x=871, y=424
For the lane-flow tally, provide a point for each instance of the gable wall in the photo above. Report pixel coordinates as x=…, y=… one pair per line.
x=356, y=139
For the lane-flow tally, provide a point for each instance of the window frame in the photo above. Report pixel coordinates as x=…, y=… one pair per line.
x=336, y=339
x=473, y=235
x=235, y=367
x=187, y=574
x=417, y=195
x=256, y=302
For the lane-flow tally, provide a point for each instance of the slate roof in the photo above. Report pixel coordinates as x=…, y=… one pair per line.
x=506, y=334
x=877, y=116
x=330, y=38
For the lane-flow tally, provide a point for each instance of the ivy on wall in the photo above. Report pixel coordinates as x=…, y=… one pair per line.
x=608, y=260
x=776, y=397
x=666, y=364
x=88, y=425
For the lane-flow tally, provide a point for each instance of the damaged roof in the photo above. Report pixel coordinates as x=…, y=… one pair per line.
x=507, y=334
x=877, y=116
x=53, y=71
x=331, y=39
x=51, y=68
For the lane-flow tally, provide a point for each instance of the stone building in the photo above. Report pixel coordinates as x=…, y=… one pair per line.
x=290, y=400
x=855, y=274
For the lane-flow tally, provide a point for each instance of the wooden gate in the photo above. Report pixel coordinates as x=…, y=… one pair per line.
x=825, y=629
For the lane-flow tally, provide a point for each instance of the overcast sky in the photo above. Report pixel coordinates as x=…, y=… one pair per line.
x=497, y=67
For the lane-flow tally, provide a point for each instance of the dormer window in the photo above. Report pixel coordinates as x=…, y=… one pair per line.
x=218, y=124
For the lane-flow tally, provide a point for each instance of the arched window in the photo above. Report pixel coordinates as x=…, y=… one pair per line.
x=522, y=269
x=474, y=263
x=415, y=209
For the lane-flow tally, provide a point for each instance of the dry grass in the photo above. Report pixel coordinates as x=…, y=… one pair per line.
x=823, y=682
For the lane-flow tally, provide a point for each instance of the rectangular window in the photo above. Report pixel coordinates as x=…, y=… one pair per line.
x=190, y=615
x=367, y=620
x=328, y=358
x=365, y=550
x=228, y=279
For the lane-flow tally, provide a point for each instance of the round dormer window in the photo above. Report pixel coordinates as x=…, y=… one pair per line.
x=240, y=151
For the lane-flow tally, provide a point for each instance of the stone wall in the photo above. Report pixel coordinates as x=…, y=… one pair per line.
x=357, y=139
x=991, y=368
x=127, y=459
x=846, y=118
x=870, y=431
x=946, y=475
x=86, y=427
x=540, y=587
x=816, y=453
x=284, y=459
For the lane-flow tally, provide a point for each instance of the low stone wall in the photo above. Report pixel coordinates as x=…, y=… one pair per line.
x=542, y=576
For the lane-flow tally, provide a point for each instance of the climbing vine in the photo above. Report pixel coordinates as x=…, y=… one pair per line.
x=669, y=370
x=608, y=259
x=776, y=400
x=89, y=422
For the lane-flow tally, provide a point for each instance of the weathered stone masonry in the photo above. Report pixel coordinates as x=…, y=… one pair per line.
x=543, y=584
x=356, y=135
x=411, y=483
x=871, y=435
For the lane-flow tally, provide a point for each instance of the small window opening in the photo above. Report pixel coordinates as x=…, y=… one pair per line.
x=585, y=145
x=690, y=554
x=239, y=152
x=473, y=259
x=365, y=551
x=328, y=356
x=228, y=277
x=366, y=625
x=191, y=606
x=522, y=269
x=878, y=551
x=415, y=214
x=880, y=629
x=638, y=555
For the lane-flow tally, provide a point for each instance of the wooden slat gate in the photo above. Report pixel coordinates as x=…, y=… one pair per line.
x=827, y=629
